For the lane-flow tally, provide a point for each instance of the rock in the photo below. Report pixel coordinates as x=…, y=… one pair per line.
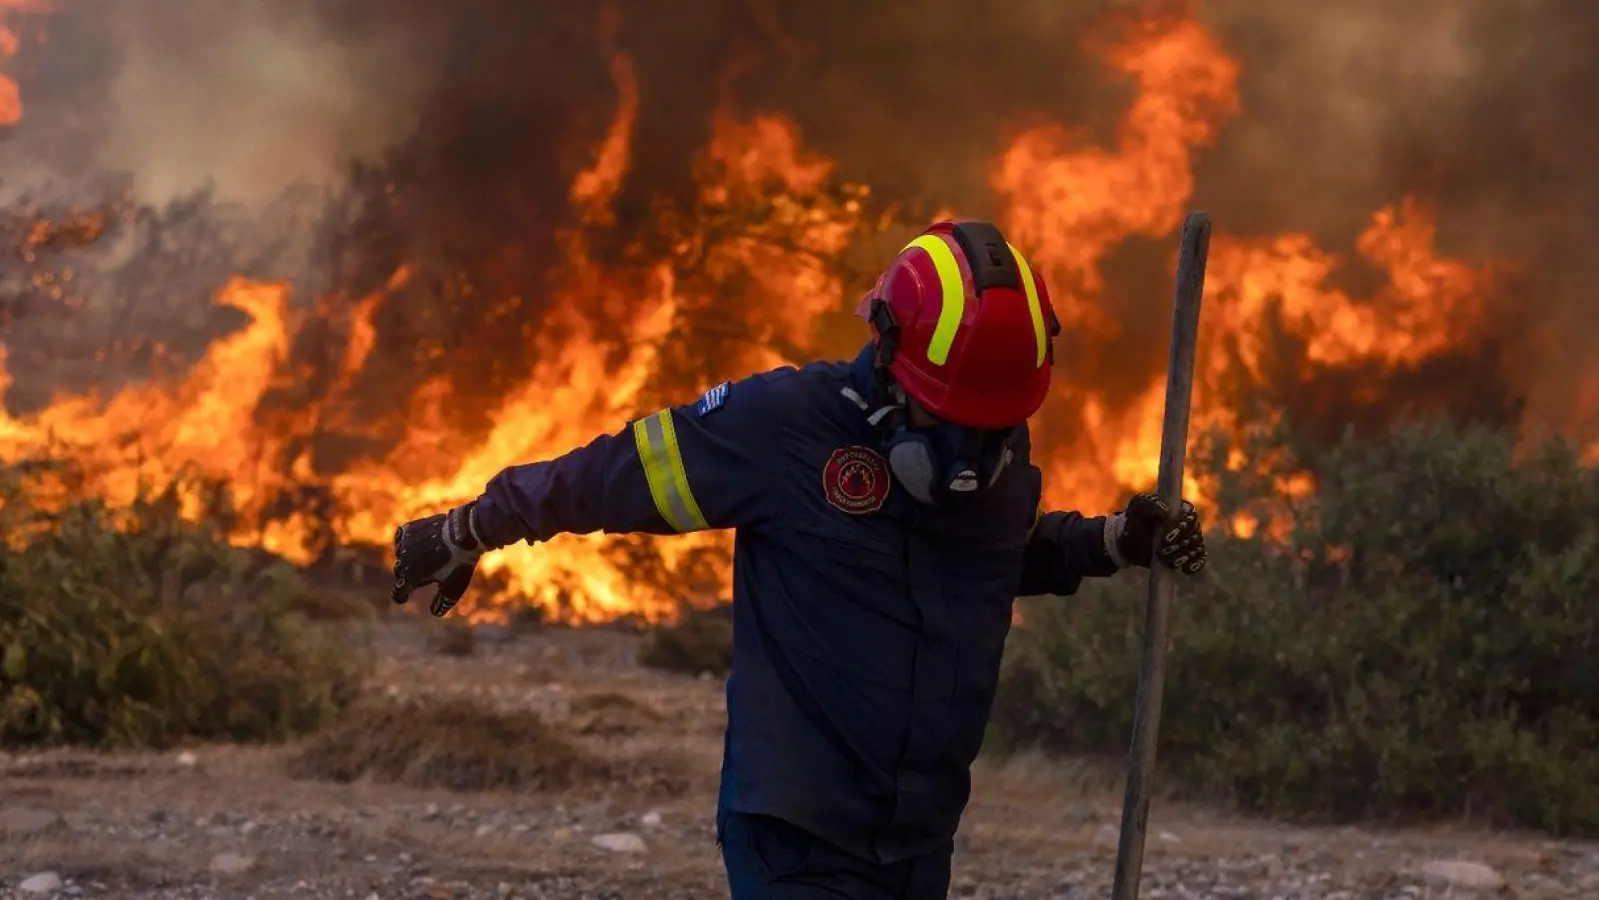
x=231, y=864
x=42, y=883
x=1167, y=837
x=187, y=758
x=17, y=821
x=1464, y=874
x=483, y=830
x=620, y=842
x=651, y=819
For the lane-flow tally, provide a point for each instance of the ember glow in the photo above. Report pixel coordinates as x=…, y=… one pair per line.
x=764, y=243
x=10, y=95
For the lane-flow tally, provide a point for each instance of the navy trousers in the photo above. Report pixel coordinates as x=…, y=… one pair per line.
x=769, y=859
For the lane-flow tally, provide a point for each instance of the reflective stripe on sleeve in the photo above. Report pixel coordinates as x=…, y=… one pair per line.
x=656, y=439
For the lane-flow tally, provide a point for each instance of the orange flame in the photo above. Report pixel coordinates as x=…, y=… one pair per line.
x=10, y=95
x=1068, y=202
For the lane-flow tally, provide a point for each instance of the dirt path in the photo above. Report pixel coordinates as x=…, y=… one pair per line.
x=225, y=822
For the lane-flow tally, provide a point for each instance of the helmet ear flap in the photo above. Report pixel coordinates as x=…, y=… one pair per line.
x=882, y=320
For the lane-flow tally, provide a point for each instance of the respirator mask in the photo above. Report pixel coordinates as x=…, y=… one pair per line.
x=937, y=461
x=945, y=463
x=941, y=463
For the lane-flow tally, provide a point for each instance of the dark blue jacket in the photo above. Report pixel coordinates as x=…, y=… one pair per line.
x=868, y=628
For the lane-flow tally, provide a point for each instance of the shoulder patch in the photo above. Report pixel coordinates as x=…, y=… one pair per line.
x=712, y=400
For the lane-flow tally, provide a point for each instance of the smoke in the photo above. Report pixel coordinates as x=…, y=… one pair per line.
x=473, y=115
x=249, y=96
x=1480, y=103
x=1483, y=108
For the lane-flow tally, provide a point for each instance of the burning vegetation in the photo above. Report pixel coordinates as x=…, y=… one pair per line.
x=557, y=238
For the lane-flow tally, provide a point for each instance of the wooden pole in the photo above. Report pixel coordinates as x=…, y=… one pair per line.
x=1193, y=249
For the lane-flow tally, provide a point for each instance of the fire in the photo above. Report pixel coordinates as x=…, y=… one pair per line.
x=613, y=332
x=1069, y=203
x=10, y=96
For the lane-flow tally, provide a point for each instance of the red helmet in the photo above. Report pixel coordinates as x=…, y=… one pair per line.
x=965, y=326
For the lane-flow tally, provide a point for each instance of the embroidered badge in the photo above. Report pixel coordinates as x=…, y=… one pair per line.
x=713, y=399
x=855, y=480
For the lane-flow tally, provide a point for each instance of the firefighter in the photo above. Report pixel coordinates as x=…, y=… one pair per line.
x=887, y=513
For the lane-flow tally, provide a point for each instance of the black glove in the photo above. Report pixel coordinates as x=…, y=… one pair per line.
x=1130, y=535
x=443, y=550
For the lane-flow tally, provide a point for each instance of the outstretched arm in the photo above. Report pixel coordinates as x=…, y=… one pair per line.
x=685, y=468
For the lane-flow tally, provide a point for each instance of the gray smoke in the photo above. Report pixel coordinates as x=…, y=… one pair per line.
x=1483, y=107
x=252, y=96
x=478, y=111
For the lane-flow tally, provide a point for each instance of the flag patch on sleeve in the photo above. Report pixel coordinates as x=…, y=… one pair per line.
x=713, y=399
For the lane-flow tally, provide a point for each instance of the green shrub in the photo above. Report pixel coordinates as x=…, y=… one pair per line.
x=1418, y=638
x=132, y=628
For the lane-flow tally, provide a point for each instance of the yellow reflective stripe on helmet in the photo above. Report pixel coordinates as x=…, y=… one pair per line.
x=1035, y=306
x=953, y=289
x=656, y=439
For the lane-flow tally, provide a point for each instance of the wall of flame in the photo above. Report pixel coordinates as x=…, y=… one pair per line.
x=1071, y=201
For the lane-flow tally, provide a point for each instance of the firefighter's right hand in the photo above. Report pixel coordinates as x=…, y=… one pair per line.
x=442, y=549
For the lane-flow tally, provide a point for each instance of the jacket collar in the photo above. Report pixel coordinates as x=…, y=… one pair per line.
x=864, y=392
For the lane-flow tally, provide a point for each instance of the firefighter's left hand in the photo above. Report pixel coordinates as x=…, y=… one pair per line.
x=442, y=549
x=1148, y=528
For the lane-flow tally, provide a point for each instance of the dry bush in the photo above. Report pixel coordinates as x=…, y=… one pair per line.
x=701, y=642
x=610, y=714
x=457, y=746
x=453, y=637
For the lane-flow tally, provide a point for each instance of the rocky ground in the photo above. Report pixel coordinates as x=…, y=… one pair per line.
x=225, y=822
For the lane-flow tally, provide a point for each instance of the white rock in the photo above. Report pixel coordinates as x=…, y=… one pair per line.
x=1167, y=837
x=1464, y=874
x=651, y=819
x=42, y=883
x=620, y=842
x=187, y=758
x=231, y=864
